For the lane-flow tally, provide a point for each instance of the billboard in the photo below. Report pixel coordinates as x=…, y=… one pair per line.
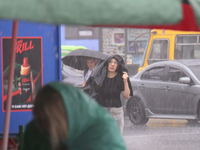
x=28, y=72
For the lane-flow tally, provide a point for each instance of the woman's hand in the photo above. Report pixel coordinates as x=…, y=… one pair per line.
x=83, y=84
x=126, y=92
x=125, y=76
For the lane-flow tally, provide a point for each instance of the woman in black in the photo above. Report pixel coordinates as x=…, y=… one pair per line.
x=109, y=81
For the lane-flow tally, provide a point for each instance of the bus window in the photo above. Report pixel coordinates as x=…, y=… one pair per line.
x=159, y=49
x=187, y=47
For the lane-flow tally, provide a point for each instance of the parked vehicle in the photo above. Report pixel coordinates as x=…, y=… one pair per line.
x=166, y=89
x=170, y=45
x=72, y=76
x=66, y=49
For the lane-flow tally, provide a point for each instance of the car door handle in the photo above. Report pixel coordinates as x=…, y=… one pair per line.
x=142, y=86
x=166, y=88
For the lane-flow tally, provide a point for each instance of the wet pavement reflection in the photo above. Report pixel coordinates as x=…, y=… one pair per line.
x=162, y=134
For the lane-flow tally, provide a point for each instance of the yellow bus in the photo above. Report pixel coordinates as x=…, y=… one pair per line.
x=171, y=45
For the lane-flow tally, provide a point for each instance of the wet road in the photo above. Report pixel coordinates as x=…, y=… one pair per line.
x=162, y=134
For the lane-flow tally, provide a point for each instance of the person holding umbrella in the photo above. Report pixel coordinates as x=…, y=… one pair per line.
x=91, y=63
x=107, y=82
x=83, y=59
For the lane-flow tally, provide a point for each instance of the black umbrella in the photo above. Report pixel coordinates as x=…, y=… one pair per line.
x=77, y=58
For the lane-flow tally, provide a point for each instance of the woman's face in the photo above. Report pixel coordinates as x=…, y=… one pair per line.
x=112, y=65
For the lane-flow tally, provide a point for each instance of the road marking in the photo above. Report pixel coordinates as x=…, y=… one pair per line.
x=161, y=135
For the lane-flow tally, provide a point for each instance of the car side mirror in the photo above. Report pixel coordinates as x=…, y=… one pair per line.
x=185, y=80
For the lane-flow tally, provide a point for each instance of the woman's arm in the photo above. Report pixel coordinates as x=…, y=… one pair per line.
x=126, y=92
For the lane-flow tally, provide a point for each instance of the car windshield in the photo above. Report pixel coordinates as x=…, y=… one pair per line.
x=195, y=69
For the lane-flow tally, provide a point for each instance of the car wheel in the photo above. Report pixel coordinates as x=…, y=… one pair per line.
x=137, y=112
x=195, y=121
x=192, y=122
x=198, y=113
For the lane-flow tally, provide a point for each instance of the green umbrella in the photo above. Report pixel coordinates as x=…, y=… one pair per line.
x=130, y=13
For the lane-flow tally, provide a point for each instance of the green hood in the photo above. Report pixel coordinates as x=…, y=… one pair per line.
x=90, y=126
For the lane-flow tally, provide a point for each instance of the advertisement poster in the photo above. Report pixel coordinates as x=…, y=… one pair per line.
x=28, y=71
x=129, y=59
x=137, y=46
x=118, y=38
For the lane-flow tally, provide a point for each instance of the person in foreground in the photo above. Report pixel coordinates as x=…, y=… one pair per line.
x=66, y=118
x=109, y=81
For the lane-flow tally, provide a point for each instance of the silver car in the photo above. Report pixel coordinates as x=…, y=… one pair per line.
x=167, y=89
x=72, y=76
